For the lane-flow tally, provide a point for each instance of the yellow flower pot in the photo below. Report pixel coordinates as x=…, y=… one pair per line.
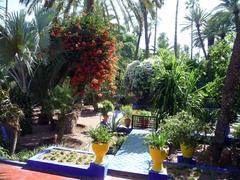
x=158, y=156
x=187, y=151
x=100, y=150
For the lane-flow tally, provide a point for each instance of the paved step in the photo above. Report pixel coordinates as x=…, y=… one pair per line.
x=133, y=156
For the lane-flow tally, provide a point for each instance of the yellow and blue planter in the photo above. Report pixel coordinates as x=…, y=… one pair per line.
x=187, y=154
x=100, y=151
x=158, y=171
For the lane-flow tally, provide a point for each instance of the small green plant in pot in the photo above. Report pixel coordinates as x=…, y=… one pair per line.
x=101, y=138
x=127, y=111
x=183, y=129
x=105, y=107
x=158, y=149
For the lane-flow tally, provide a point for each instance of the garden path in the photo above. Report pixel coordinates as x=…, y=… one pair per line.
x=133, y=156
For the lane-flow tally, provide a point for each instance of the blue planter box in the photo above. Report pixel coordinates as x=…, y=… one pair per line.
x=67, y=169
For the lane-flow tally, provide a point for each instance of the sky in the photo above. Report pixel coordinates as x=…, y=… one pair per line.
x=166, y=16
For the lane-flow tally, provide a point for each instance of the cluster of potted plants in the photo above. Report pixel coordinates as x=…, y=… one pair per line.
x=182, y=129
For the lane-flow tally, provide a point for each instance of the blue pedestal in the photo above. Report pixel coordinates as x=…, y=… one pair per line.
x=182, y=159
x=152, y=175
x=98, y=171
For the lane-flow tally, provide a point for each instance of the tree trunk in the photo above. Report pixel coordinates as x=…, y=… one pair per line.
x=6, y=8
x=175, y=36
x=70, y=122
x=145, y=16
x=15, y=138
x=228, y=94
x=89, y=5
x=191, y=40
x=201, y=41
x=138, y=44
x=209, y=64
x=155, y=31
x=210, y=41
x=116, y=14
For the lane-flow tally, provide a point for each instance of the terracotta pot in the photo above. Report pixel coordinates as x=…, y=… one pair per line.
x=187, y=151
x=99, y=150
x=158, y=156
x=127, y=122
x=105, y=117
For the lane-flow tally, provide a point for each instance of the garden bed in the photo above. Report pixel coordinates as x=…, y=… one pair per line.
x=67, y=162
x=66, y=156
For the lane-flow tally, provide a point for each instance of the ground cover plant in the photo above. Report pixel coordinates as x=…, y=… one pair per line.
x=63, y=156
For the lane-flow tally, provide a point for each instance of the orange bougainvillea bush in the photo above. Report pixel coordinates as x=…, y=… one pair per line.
x=90, y=50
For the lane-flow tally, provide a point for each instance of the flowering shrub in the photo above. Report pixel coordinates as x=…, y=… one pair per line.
x=138, y=77
x=90, y=50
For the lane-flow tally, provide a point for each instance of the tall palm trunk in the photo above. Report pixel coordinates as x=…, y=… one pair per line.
x=175, y=36
x=191, y=40
x=155, y=31
x=229, y=90
x=138, y=42
x=89, y=5
x=116, y=14
x=201, y=41
x=6, y=8
x=145, y=16
x=15, y=138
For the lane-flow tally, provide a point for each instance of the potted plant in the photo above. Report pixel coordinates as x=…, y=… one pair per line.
x=127, y=111
x=105, y=107
x=158, y=149
x=183, y=129
x=100, y=142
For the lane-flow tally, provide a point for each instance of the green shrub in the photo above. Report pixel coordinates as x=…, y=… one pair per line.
x=100, y=135
x=4, y=153
x=142, y=113
x=236, y=132
x=105, y=107
x=183, y=128
x=127, y=111
x=138, y=76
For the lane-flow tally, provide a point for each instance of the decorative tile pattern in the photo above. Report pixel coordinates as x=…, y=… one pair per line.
x=133, y=156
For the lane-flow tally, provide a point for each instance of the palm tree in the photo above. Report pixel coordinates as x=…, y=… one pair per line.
x=22, y=50
x=155, y=31
x=199, y=17
x=158, y=4
x=1, y=11
x=175, y=36
x=6, y=8
x=19, y=49
x=163, y=41
x=146, y=29
x=230, y=85
x=135, y=8
x=148, y=7
x=191, y=5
